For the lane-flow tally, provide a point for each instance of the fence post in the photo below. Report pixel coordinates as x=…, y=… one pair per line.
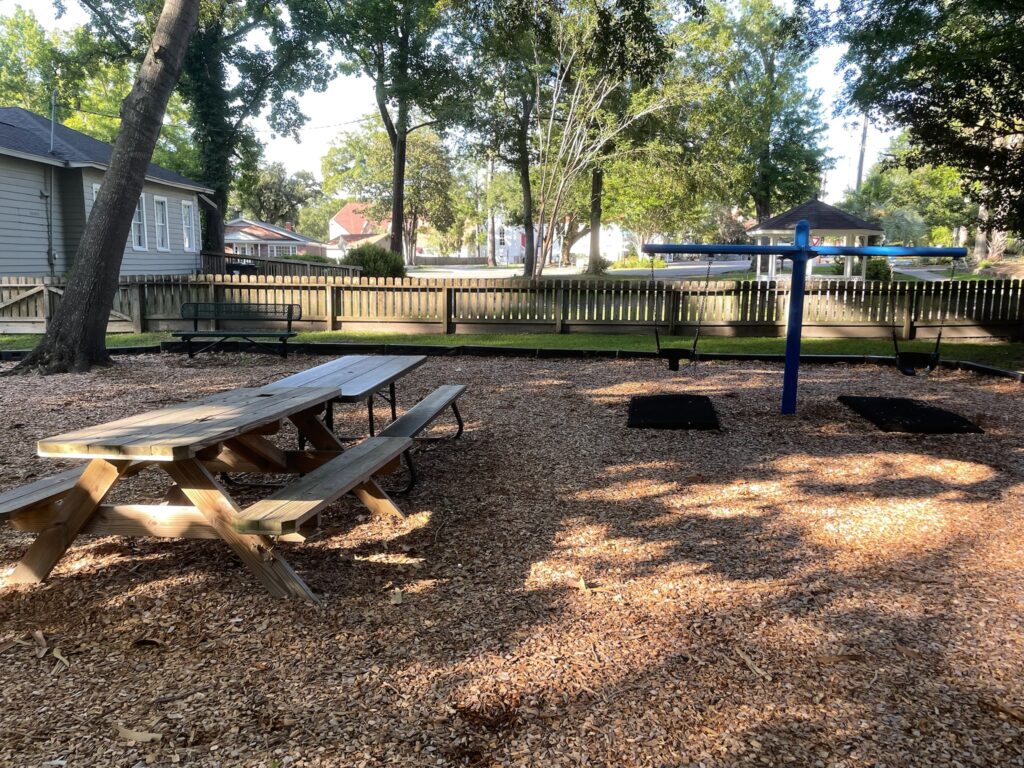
x=561, y=308
x=447, y=310
x=673, y=298
x=329, y=297
x=46, y=304
x=135, y=290
x=910, y=309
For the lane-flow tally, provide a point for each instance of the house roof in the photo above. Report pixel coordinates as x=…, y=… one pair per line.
x=352, y=220
x=26, y=134
x=821, y=216
x=243, y=230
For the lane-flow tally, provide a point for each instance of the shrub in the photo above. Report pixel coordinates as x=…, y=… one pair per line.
x=376, y=261
x=878, y=269
x=636, y=261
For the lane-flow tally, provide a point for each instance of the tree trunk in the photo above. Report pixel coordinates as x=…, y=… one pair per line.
x=492, y=255
x=596, y=193
x=523, y=162
x=76, y=337
x=981, y=235
x=398, y=185
x=202, y=83
x=409, y=233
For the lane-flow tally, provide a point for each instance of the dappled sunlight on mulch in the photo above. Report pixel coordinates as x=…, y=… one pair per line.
x=564, y=591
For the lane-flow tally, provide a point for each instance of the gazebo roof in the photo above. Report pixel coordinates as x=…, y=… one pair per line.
x=821, y=216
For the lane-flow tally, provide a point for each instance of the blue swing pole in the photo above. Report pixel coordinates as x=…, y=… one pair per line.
x=791, y=375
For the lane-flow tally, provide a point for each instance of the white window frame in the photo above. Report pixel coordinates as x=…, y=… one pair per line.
x=166, y=222
x=141, y=206
x=501, y=235
x=188, y=231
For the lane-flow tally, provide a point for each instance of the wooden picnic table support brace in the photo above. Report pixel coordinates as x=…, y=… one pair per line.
x=257, y=552
x=314, y=430
x=70, y=515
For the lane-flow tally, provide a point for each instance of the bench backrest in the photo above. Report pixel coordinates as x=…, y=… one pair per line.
x=249, y=312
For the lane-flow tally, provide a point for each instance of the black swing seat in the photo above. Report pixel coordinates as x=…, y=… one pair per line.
x=672, y=354
x=912, y=363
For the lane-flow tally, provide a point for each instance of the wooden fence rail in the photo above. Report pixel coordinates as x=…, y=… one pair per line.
x=833, y=308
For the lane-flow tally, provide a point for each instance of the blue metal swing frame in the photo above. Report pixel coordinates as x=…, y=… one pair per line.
x=799, y=253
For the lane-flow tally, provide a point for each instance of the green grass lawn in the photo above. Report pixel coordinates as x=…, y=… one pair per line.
x=1001, y=354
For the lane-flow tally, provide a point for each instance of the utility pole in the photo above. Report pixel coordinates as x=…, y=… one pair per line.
x=863, y=149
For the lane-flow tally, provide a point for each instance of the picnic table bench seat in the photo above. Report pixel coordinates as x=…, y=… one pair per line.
x=238, y=312
x=37, y=493
x=285, y=511
x=420, y=416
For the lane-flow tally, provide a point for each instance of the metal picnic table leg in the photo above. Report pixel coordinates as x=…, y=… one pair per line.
x=70, y=515
x=394, y=401
x=369, y=407
x=257, y=552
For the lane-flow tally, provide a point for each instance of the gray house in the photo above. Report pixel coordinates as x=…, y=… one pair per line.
x=46, y=195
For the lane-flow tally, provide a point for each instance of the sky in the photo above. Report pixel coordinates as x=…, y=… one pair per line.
x=348, y=99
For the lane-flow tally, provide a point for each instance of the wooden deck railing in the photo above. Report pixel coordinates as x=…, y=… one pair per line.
x=988, y=308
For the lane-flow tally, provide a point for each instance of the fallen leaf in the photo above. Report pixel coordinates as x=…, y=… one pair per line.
x=141, y=737
x=40, y=643
x=396, y=597
x=752, y=666
x=147, y=642
x=59, y=656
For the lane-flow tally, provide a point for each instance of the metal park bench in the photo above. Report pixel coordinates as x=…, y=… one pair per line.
x=238, y=312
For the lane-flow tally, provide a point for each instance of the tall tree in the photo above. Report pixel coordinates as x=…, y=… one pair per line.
x=75, y=339
x=769, y=107
x=400, y=46
x=269, y=193
x=360, y=166
x=246, y=57
x=951, y=73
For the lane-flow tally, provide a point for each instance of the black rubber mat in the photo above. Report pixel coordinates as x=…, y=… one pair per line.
x=672, y=412
x=901, y=414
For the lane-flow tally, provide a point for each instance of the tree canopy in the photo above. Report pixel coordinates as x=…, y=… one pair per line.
x=950, y=72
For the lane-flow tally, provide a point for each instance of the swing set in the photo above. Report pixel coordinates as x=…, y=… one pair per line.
x=800, y=252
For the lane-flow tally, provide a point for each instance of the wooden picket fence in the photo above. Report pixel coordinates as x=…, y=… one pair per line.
x=833, y=308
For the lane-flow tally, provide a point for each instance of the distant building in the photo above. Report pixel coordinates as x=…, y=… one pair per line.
x=249, y=237
x=47, y=194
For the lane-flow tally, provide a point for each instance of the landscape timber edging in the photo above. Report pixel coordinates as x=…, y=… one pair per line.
x=478, y=350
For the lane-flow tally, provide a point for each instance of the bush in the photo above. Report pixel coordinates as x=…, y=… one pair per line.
x=878, y=269
x=636, y=261
x=376, y=261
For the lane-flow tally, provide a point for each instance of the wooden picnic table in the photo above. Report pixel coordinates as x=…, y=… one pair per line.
x=192, y=442
x=355, y=378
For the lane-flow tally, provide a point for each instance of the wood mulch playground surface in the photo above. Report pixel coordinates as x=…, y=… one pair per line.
x=565, y=591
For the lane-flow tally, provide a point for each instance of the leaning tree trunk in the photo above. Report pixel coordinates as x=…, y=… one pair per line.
x=75, y=339
x=523, y=162
x=596, y=193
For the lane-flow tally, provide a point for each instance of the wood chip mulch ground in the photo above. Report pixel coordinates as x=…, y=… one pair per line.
x=564, y=591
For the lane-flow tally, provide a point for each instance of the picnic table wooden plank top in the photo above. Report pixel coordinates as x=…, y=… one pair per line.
x=180, y=431
x=354, y=377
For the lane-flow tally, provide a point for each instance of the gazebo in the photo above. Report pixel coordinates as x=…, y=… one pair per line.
x=829, y=225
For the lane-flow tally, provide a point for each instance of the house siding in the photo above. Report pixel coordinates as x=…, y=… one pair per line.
x=24, y=239
x=151, y=261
